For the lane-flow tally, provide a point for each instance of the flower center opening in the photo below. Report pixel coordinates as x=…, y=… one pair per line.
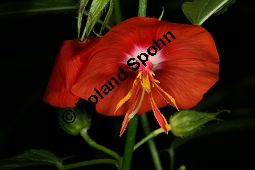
x=146, y=68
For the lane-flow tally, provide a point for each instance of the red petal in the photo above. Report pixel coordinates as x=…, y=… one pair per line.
x=191, y=64
x=95, y=79
x=65, y=72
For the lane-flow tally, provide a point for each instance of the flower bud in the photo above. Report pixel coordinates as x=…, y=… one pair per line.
x=187, y=122
x=72, y=120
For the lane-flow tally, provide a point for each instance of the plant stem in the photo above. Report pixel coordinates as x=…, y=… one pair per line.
x=149, y=136
x=171, y=155
x=151, y=143
x=142, y=8
x=130, y=141
x=117, y=11
x=97, y=146
x=91, y=162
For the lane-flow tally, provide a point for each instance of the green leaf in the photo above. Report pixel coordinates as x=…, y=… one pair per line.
x=83, y=4
x=199, y=11
x=29, y=7
x=96, y=10
x=30, y=158
x=224, y=8
x=107, y=17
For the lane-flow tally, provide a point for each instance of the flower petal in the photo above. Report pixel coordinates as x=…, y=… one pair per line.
x=190, y=64
x=65, y=72
x=97, y=80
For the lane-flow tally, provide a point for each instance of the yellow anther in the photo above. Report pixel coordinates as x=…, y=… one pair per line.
x=152, y=73
x=129, y=94
x=139, y=75
x=124, y=99
x=156, y=81
x=171, y=98
x=146, y=83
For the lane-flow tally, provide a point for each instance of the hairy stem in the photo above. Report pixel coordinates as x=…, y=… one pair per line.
x=142, y=8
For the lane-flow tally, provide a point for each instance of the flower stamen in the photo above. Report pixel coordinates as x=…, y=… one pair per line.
x=145, y=81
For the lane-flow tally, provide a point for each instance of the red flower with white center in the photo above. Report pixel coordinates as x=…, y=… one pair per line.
x=72, y=56
x=179, y=74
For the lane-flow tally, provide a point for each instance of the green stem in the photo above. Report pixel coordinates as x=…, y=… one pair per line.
x=91, y=162
x=151, y=143
x=97, y=146
x=150, y=136
x=130, y=141
x=117, y=11
x=171, y=155
x=142, y=8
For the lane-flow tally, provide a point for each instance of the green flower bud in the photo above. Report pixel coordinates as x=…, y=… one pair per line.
x=72, y=120
x=187, y=122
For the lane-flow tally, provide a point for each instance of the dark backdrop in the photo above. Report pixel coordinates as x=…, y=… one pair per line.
x=29, y=44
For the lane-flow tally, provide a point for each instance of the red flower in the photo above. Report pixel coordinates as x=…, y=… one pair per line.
x=179, y=74
x=73, y=55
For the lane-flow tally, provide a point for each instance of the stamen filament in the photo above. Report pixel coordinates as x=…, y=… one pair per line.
x=138, y=106
x=145, y=81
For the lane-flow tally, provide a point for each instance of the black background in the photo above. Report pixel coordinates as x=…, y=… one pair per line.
x=29, y=44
